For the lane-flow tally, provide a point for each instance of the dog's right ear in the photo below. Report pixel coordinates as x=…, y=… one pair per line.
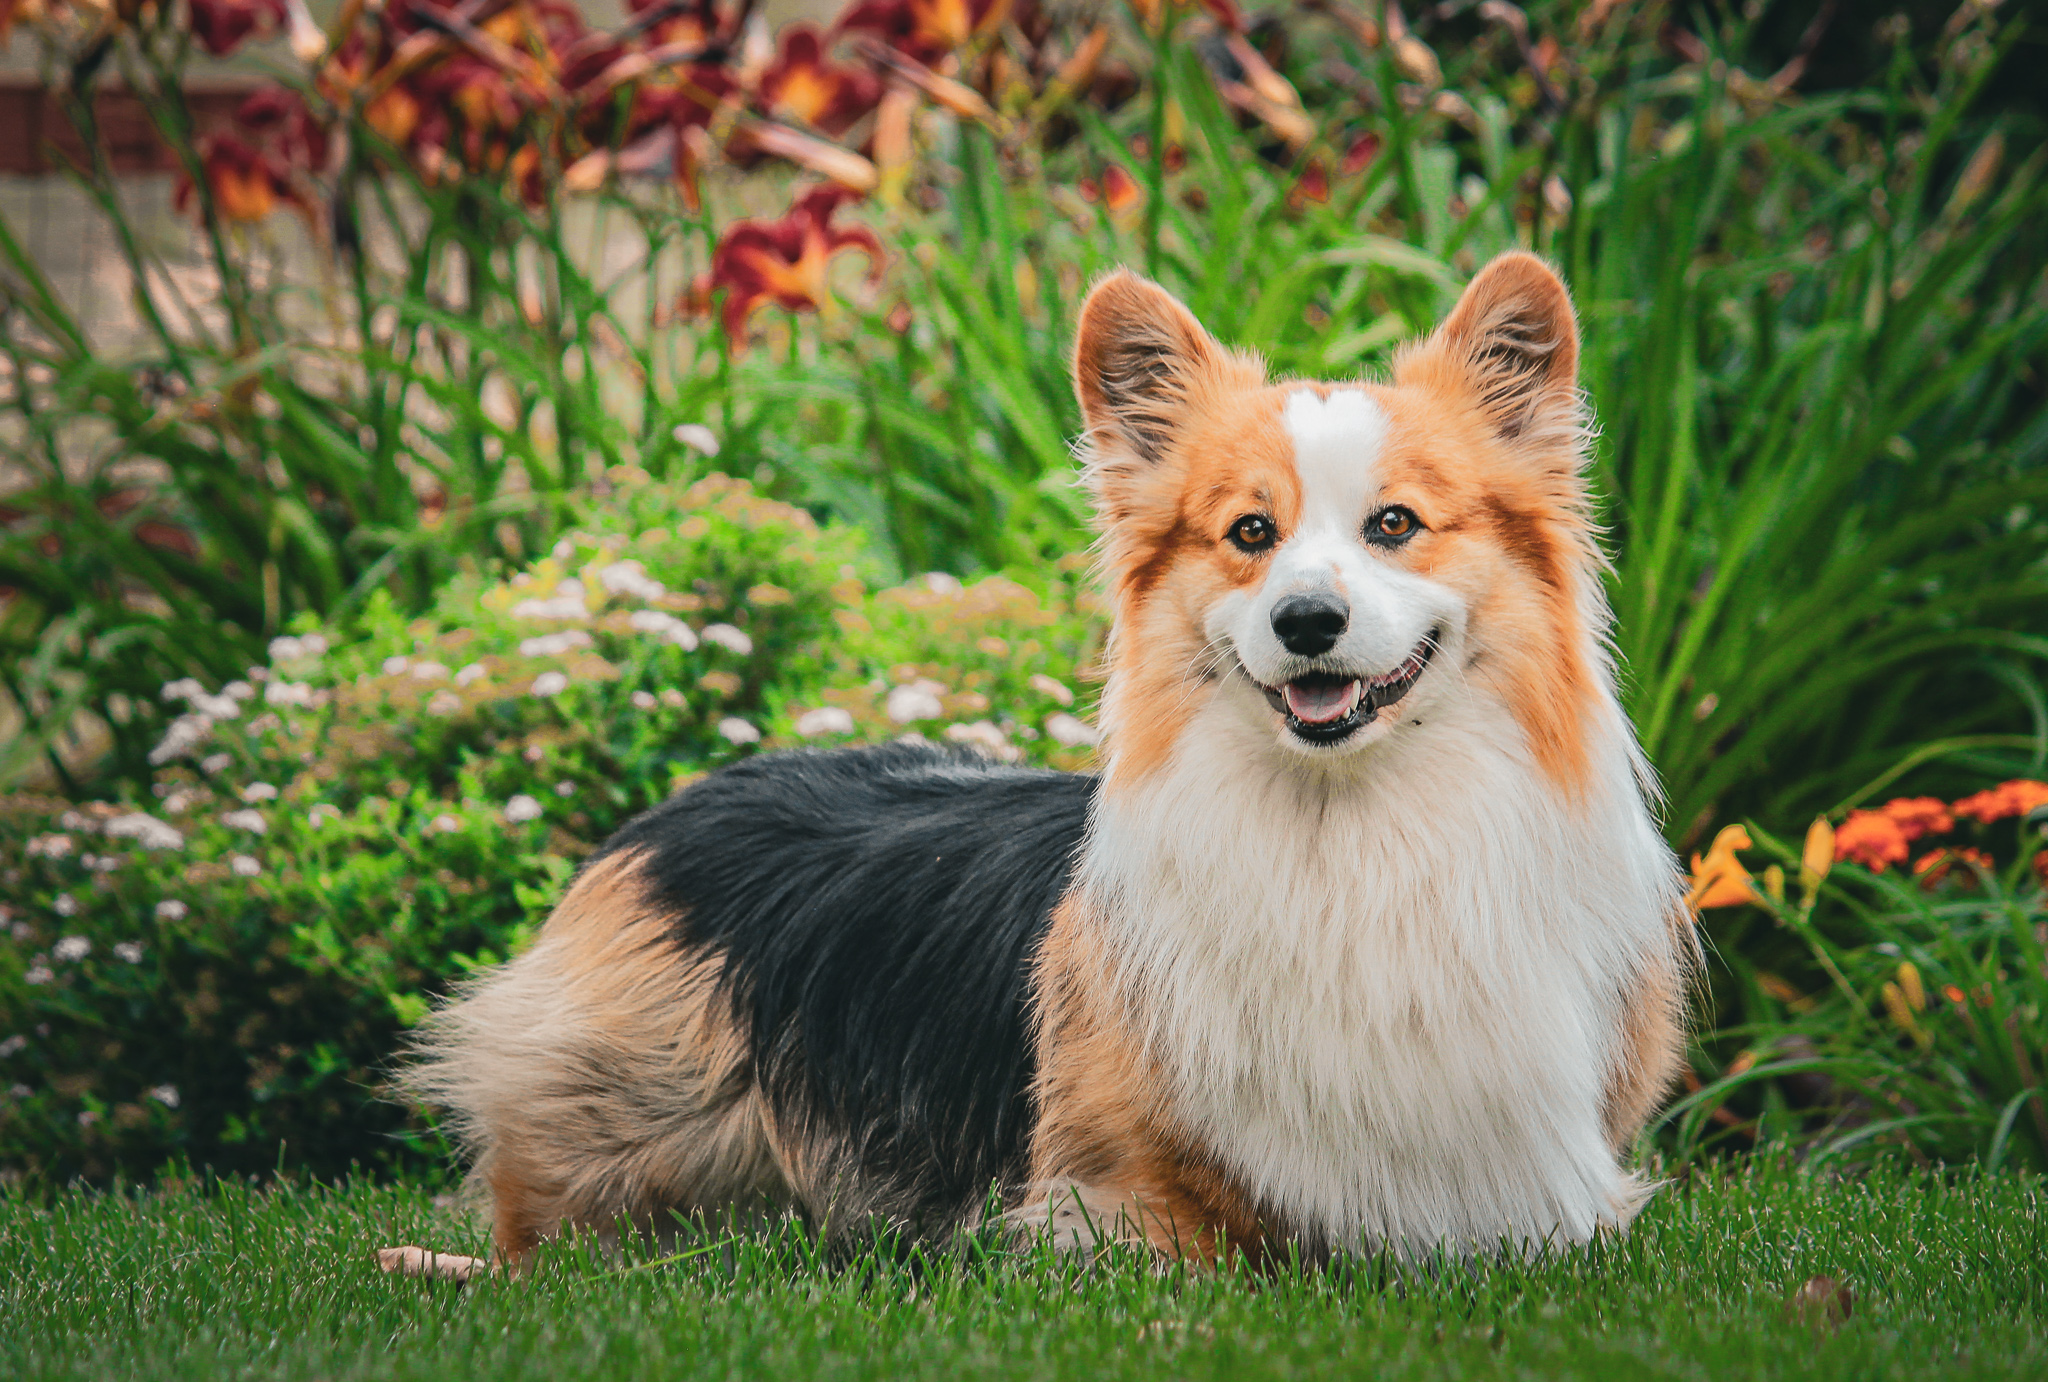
x=1136, y=356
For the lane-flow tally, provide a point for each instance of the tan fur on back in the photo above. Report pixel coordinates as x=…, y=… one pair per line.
x=598, y=1075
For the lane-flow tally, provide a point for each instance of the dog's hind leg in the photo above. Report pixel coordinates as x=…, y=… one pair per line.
x=597, y=1079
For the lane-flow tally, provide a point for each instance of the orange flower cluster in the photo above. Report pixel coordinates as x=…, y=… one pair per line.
x=2008, y=799
x=1876, y=839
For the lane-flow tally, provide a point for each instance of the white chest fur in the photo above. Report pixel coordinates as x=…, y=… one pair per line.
x=1388, y=1002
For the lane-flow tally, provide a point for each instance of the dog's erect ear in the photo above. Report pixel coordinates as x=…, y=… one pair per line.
x=1135, y=356
x=1513, y=337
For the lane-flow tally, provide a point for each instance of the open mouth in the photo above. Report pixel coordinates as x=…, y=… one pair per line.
x=1325, y=707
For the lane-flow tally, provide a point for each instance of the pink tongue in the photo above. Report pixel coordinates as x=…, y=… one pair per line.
x=1318, y=705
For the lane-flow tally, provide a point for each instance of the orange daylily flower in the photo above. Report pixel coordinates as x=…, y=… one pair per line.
x=1120, y=191
x=2014, y=798
x=802, y=84
x=786, y=261
x=1720, y=880
x=1917, y=816
x=1873, y=840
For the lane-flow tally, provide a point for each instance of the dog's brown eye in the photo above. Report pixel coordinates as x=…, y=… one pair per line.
x=1252, y=533
x=1395, y=523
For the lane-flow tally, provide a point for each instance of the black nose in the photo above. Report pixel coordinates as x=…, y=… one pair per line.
x=1309, y=624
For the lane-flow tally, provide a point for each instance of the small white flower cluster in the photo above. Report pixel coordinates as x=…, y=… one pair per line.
x=321, y=813
x=729, y=638
x=669, y=627
x=670, y=697
x=521, y=809
x=443, y=703
x=473, y=672
x=66, y=905
x=1046, y=686
x=170, y=909
x=165, y=1094
x=146, y=830
x=738, y=731
x=567, y=603
x=443, y=824
x=71, y=949
x=251, y=821
x=697, y=435
x=550, y=683
x=827, y=719
x=919, y=700
x=195, y=726
x=38, y=973
x=244, y=866
x=630, y=579
x=984, y=735
x=1070, y=730
x=131, y=951
x=259, y=791
x=54, y=846
x=291, y=648
x=14, y=1045
x=292, y=695
x=554, y=644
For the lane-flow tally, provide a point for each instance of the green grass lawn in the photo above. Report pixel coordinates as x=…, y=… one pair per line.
x=1949, y=1278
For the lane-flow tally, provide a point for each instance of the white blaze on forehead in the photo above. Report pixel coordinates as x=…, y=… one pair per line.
x=1337, y=444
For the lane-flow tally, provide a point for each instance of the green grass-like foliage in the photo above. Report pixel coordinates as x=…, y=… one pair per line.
x=1944, y=1274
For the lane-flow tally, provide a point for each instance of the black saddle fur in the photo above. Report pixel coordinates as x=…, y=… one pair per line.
x=878, y=910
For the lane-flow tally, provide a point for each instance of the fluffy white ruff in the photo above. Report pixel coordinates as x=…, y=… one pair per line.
x=1386, y=992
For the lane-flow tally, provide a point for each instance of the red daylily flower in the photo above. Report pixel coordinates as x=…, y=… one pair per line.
x=221, y=26
x=267, y=159
x=786, y=261
x=802, y=84
x=927, y=30
x=246, y=186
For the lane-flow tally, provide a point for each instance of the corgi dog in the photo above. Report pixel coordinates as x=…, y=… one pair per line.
x=1363, y=939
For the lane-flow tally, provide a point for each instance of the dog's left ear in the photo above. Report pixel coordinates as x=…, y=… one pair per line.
x=1513, y=339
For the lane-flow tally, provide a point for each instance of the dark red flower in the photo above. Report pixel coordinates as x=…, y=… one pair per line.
x=269, y=157
x=786, y=261
x=803, y=85
x=1360, y=155
x=927, y=30
x=1312, y=186
x=222, y=25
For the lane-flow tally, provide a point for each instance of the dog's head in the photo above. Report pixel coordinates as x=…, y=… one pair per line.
x=1334, y=565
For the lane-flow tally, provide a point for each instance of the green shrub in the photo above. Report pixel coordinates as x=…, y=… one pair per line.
x=221, y=970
